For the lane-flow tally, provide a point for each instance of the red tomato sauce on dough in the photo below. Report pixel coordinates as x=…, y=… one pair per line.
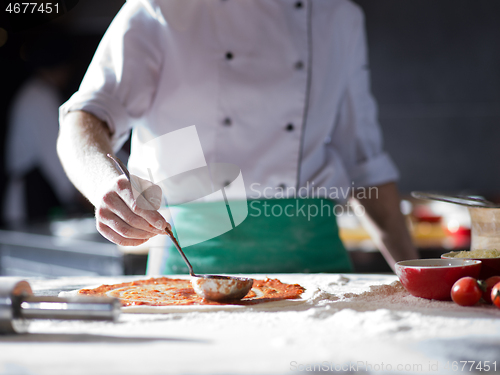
x=164, y=291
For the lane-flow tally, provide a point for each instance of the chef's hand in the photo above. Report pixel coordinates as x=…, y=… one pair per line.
x=129, y=217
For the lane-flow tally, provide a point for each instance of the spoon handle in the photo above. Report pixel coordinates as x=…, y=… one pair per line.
x=174, y=240
x=457, y=199
x=124, y=170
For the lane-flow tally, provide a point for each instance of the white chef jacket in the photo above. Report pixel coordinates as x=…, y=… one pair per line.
x=278, y=87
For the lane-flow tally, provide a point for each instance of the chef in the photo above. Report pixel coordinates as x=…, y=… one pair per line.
x=279, y=88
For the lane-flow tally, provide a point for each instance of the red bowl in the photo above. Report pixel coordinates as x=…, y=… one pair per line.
x=434, y=278
x=490, y=266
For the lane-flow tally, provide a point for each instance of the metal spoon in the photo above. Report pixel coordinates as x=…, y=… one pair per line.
x=210, y=287
x=457, y=199
x=215, y=287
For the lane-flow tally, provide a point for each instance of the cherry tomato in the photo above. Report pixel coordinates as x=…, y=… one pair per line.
x=487, y=285
x=466, y=291
x=495, y=295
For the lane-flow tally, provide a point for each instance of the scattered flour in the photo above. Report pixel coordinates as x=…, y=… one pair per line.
x=346, y=319
x=378, y=292
x=391, y=298
x=342, y=280
x=388, y=311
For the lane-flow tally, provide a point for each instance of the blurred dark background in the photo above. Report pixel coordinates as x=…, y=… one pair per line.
x=23, y=39
x=435, y=69
x=436, y=76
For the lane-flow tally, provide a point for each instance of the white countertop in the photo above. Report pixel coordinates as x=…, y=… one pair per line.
x=345, y=325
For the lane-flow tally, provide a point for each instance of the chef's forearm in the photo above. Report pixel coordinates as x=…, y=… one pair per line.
x=82, y=146
x=387, y=225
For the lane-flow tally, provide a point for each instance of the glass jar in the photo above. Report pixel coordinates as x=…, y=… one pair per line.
x=485, y=228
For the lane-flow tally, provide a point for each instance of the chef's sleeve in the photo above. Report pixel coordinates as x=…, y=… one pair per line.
x=120, y=83
x=357, y=136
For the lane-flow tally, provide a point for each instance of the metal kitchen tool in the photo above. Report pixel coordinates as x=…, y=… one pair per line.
x=215, y=287
x=457, y=199
x=18, y=306
x=210, y=287
x=484, y=215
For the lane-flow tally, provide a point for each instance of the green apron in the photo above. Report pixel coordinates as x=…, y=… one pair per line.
x=278, y=236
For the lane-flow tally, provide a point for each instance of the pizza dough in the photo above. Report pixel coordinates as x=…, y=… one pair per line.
x=144, y=296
